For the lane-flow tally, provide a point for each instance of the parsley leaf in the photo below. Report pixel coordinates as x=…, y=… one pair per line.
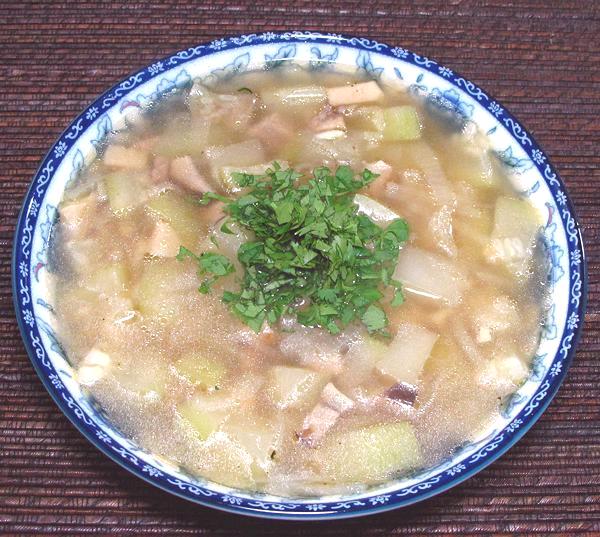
x=374, y=318
x=311, y=246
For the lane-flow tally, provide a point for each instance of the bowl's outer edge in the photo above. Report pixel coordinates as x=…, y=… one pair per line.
x=361, y=44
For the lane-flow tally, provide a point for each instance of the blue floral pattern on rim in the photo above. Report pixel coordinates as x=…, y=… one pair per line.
x=369, y=56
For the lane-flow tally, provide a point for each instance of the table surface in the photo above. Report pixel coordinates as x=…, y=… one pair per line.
x=540, y=58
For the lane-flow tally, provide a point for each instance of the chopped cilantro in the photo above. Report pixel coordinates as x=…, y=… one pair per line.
x=208, y=263
x=311, y=246
x=374, y=318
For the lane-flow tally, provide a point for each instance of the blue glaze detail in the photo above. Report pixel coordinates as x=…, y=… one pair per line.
x=283, y=54
x=322, y=59
x=365, y=65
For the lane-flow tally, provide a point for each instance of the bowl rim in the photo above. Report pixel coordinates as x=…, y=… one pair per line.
x=358, y=43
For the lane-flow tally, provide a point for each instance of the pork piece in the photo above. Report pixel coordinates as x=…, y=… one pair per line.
x=402, y=392
x=273, y=131
x=215, y=213
x=317, y=423
x=129, y=158
x=335, y=399
x=324, y=415
x=74, y=215
x=184, y=172
x=159, y=172
x=364, y=92
x=383, y=170
x=327, y=120
x=384, y=406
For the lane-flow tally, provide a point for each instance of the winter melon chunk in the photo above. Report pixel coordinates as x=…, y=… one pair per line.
x=111, y=279
x=203, y=422
x=183, y=215
x=407, y=353
x=370, y=453
x=144, y=378
x=161, y=287
x=515, y=217
x=293, y=387
x=401, y=123
x=198, y=369
x=124, y=190
x=516, y=224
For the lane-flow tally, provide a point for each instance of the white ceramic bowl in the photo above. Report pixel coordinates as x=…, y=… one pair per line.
x=530, y=171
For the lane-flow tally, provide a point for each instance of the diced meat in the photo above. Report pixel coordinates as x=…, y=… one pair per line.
x=324, y=415
x=364, y=92
x=268, y=337
x=184, y=171
x=163, y=242
x=273, y=131
x=214, y=211
x=335, y=399
x=74, y=216
x=130, y=158
x=383, y=406
x=384, y=170
x=327, y=120
x=317, y=423
x=402, y=392
x=160, y=169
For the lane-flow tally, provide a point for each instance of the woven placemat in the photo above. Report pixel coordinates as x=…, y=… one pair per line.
x=540, y=58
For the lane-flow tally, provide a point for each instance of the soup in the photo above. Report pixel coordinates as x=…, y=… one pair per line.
x=298, y=282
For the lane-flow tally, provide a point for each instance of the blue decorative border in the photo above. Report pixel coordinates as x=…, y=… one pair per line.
x=25, y=268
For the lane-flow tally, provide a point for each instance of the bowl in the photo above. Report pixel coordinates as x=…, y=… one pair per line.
x=530, y=171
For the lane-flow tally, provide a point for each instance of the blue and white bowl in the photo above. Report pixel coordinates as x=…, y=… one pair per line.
x=531, y=172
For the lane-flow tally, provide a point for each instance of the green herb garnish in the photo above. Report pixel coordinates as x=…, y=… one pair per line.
x=314, y=256
x=208, y=263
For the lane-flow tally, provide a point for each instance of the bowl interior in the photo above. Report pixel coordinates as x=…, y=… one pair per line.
x=530, y=173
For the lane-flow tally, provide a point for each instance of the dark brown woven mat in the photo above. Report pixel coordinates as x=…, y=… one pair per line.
x=541, y=58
